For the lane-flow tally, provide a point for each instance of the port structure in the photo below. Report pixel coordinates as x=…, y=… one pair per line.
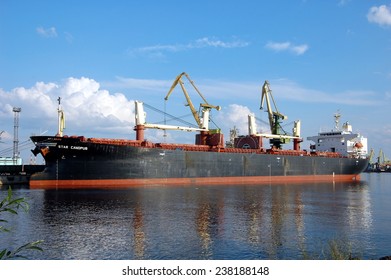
x=16, y=111
x=201, y=117
x=277, y=136
x=202, y=122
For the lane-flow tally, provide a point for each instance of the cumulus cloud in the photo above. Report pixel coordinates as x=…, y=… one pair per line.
x=88, y=108
x=234, y=115
x=287, y=46
x=380, y=15
x=47, y=32
x=88, y=104
x=205, y=42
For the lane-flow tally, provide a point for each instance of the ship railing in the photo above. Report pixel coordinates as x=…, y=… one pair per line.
x=185, y=147
x=81, y=138
x=287, y=152
x=108, y=141
x=240, y=151
x=327, y=154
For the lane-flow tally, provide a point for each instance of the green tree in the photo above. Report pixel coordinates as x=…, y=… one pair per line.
x=13, y=205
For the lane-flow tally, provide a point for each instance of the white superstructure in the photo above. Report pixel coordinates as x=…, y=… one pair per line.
x=342, y=141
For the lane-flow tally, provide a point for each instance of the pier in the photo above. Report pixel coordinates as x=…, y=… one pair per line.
x=11, y=175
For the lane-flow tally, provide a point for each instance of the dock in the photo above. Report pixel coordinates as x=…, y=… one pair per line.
x=11, y=175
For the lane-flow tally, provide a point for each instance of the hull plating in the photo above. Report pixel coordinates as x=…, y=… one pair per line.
x=73, y=163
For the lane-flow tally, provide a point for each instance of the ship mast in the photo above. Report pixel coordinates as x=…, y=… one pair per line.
x=61, y=119
x=337, y=116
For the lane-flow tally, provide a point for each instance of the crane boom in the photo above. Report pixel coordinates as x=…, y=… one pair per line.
x=265, y=96
x=205, y=106
x=275, y=117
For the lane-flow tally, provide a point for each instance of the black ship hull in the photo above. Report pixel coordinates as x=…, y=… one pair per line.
x=76, y=162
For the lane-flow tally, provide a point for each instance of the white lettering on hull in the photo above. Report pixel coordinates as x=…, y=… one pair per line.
x=72, y=147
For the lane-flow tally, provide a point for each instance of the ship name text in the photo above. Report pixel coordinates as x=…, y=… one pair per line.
x=72, y=147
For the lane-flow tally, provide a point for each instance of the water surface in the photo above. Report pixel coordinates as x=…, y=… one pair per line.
x=278, y=221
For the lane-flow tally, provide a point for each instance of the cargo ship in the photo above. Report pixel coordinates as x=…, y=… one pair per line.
x=79, y=162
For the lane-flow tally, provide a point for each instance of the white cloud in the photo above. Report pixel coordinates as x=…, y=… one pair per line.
x=205, y=42
x=47, y=32
x=300, y=49
x=88, y=108
x=380, y=15
x=208, y=42
x=287, y=46
x=234, y=115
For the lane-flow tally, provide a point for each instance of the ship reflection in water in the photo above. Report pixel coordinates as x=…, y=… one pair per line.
x=214, y=222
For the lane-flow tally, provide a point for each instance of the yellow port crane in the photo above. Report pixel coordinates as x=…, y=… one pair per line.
x=371, y=156
x=382, y=163
x=275, y=117
x=206, y=107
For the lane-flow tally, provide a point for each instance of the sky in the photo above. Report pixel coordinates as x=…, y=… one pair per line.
x=320, y=57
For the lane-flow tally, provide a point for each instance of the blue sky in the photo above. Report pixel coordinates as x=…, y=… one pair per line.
x=99, y=56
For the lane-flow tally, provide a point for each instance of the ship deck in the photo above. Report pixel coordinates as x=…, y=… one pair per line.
x=204, y=148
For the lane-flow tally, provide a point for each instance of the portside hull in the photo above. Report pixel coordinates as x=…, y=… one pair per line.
x=81, y=164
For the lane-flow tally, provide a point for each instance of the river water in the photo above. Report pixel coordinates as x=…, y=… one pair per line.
x=278, y=221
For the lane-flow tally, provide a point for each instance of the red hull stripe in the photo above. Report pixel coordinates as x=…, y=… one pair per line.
x=131, y=183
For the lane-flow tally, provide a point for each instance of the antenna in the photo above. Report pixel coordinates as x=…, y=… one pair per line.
x=337, y=116
x=16, y=111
